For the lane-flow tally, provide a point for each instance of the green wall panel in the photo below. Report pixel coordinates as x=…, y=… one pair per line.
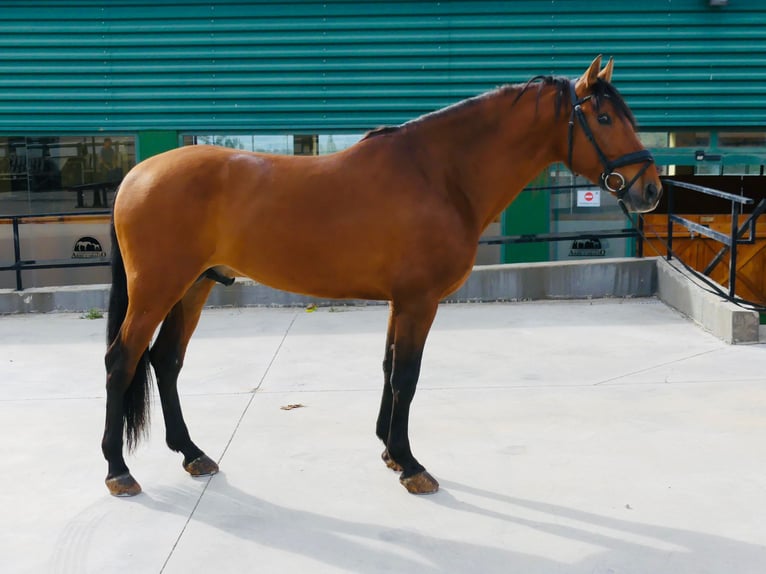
x=529, y=213
x=154, y=142
x=273, y=66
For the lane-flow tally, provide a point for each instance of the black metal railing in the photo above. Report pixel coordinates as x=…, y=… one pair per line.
x=630, y=232
x=730, y=241
x=20, y=264
x=562, y=236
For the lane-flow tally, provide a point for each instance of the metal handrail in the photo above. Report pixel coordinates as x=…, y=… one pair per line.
x=729, y=241
x=710, y=191
x=20, y=264
x=563, y=236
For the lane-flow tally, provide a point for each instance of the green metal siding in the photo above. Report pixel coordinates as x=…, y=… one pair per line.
x=306, y=66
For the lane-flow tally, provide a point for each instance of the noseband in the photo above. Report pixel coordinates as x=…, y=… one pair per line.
x=643, y=156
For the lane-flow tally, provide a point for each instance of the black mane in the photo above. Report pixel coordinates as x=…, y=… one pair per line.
x=461, y=105
x=602, y=90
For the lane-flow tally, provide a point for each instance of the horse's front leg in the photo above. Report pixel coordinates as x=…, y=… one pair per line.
x=386, y=402
x=410, y=322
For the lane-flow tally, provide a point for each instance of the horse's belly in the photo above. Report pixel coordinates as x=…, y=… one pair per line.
x=321, y=273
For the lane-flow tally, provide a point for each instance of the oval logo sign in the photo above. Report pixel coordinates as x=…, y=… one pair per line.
x=88, y=248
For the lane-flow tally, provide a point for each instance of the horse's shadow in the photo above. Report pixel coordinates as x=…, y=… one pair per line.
x=627, y=545
x=341, y=544
x=614, y=544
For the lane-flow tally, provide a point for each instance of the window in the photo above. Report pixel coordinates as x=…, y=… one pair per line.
x=743, y=169
x=336, y=142
x=689, y=139
x=298, y=144
x=52, y=174
x=654, y=140
x=577, y=205
x=742, y=139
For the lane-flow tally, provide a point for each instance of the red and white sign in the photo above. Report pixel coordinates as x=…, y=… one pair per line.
x=589, y=197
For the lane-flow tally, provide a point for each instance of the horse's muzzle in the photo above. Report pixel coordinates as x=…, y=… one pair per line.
x=644, y=200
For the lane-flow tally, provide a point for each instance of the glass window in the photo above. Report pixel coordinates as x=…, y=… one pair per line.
x=272, y=144
x=577, y=205
x=699, y=168
x=306, y=144
x=54, y=174
x=708, y=168
x=264, y=143
x=689, y=139
x=298, y=144
x=675, y=170
x=742, y=139
x=337, y=142
x=664, y=169
x=654, y=139
x=14, y=186
x=743, y=169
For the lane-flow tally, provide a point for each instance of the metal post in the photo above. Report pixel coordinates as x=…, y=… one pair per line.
x=17, y=253
x=733, y=249
x=670, y=222
x=640, y=239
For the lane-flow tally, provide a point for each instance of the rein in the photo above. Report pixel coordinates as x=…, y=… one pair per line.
x=643, y=156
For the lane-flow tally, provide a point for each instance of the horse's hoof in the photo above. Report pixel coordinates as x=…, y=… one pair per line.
x=390, y=462
x=201, y=466
x=123, y=485
x=420, y=483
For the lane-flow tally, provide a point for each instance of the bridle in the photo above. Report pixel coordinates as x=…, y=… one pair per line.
x=643, y=156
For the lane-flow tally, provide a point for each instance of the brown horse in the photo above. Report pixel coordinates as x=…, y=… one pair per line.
x=396, y=217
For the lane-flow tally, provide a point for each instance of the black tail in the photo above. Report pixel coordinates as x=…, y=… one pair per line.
x=137, y=396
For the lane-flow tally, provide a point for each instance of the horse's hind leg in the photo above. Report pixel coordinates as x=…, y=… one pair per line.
x=127, y=391
x=167, y=355
x=408, y=326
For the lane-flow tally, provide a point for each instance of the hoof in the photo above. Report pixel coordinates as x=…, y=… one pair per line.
x=420, y=483
x=390, y=462
x=201, y=466
x=123, y=485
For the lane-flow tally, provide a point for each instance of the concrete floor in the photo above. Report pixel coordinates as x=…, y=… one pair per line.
x=607, y=437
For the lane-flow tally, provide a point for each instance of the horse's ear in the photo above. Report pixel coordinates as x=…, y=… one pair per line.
x=588, y=79
x=606, y=73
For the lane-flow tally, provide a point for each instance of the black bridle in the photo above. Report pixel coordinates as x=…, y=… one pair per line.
x=642, y=156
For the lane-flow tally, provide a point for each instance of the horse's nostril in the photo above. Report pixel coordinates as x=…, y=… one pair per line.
x=651, y=193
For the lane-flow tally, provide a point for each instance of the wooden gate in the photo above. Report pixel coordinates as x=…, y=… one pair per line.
x=698, y=251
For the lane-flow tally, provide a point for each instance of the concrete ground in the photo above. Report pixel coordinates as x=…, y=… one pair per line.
x=608, y=436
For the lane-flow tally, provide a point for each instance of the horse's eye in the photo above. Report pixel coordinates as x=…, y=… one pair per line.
x=604, y=119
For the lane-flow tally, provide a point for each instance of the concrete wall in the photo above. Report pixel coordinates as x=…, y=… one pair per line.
x=623, y=277
x=725, y=320
x=626, y=277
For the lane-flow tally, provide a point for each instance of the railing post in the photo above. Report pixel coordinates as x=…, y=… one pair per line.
x=670, y=221
x=733, y=249
x=17, y=252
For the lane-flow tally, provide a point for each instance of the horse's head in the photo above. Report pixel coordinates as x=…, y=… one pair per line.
x=602, y=143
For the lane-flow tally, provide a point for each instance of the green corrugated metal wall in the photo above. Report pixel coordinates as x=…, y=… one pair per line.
x=305, y=66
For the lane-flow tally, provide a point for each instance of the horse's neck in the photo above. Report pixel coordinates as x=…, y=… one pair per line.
x=498, y=148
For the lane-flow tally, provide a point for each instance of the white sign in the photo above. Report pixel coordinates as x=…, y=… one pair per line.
x=589, y=197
